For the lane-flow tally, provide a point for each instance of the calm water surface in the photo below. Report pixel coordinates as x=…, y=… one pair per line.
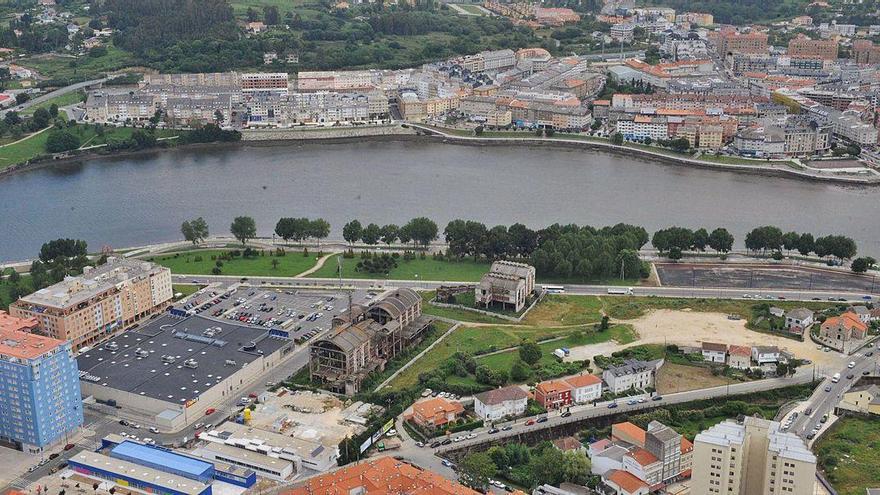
x=127, y=201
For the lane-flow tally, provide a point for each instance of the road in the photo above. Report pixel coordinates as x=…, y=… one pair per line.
x=827, y=395
x=52, y=94
x=575, y=289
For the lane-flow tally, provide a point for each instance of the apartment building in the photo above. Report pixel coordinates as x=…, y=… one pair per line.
x=275, y=82
x=501, y=403
x=104, y=107
x=105, y=299
x=632, y=374
x=359, y=80
x=490, y=60
x=553, y=394
x=734, y=42
x=201, y=110
x=701, y=19
x=751, y=457
x=40, y=402
x=644, y=126
x=323, y=106
x=865, y=52
x=197, y=79
x=804, y=47
x=622, y=32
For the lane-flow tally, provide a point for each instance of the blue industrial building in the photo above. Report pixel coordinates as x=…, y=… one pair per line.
x=164, y=460
x=177, y=466
x=40, y=401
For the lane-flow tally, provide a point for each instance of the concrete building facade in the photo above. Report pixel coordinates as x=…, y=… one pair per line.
x=752, y=457
x=103, y=300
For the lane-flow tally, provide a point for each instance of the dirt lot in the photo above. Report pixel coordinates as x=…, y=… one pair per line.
x=763, y=276
x=690, y=328
x=672, y=378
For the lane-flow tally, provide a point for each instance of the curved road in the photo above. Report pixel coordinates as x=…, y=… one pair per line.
x=52, y=94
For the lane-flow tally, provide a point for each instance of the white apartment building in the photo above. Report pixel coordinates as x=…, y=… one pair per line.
x=622, y=32
x=754, y=457
x=644, y=126
x=500, y=403
x=631, y=374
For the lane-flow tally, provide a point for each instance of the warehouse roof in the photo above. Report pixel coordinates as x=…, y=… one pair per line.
x=173, y=359
x=157, y=456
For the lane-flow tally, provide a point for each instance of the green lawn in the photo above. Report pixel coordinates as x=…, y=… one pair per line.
x=185, y=289
x=626, y=308
x=623, y=334
x=56, y=67
x=565, y=310
x=240, y=7
x=484, y=339
x=35, y=145
x=462, y=315
x=200, y=262
x=60, y=101
x=472, y=9
x=20, y=152
x=850, y=453
x=417, y=269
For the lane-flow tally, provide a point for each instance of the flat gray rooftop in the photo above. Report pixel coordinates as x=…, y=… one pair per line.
x=149, y=360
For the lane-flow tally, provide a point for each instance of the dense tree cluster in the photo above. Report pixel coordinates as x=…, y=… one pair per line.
x=587, y=253
x=528, y=467
x=739, y=12
x=556, y=251
x=420, y=230
x=770, y=238
x=673, y=241
x=144, y=26
x=300, y=229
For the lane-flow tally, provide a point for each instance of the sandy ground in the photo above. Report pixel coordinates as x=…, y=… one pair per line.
x=691, y=328
x=672, y=378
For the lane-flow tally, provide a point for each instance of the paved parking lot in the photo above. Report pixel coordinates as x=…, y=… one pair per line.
x=763, y=277
x=301, y=312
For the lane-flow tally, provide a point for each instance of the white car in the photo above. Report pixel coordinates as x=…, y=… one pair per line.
x=136, y=426
x=391, y=432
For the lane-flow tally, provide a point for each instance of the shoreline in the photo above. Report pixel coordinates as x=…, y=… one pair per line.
x=420, y=132
x=658, y=157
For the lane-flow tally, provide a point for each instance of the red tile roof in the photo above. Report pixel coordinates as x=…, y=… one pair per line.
x=383, y=476
x=740, y=350
x=630, y=430
x=686, y=445
x=581, y=381
x=626, y=481
x=552, y=387
x=568, y=443
x=642, y=456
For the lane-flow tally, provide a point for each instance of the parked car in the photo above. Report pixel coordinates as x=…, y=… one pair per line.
x=69, y=446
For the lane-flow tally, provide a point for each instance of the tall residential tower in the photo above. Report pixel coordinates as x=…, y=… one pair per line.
x=40, y=402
